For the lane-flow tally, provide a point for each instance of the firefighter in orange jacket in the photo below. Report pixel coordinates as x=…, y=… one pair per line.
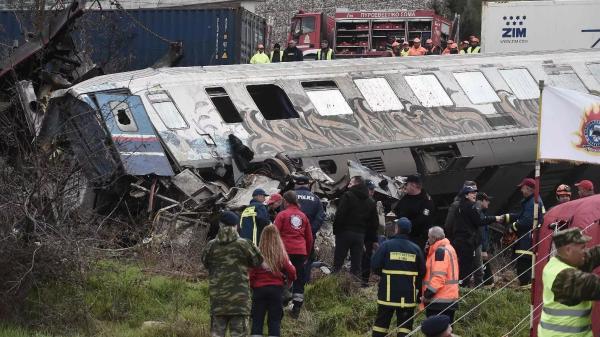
x=440, y=285
x=401, y=265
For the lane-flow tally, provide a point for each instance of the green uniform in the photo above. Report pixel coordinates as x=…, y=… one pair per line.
x=227, y=259
x=568, y=291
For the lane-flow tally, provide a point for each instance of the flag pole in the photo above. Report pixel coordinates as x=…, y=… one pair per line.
x=536, y=196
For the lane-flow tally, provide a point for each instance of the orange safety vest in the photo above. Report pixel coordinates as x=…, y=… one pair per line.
x=441, y=277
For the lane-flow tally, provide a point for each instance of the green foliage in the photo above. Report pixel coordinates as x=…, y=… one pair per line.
x=120, y=300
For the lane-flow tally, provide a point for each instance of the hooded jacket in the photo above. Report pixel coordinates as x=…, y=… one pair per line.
x=356, y=211
x=227, y=259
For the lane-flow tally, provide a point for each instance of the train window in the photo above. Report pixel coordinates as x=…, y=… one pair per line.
x=521, y=83
x=272, y=101
x=378, y=94
x=166, y=109
x=428, y=90
x=476, y=87
x=595, y=70
x=224, y=105
x=122, y=115
x=327, y=98
x=564, y=77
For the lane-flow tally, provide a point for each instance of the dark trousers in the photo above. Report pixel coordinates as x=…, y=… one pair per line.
x=488, y=274
x=384, y=317
x=464, y=253
x=524, y=268
x=348, y=241
x=267, y=300
x=366, y=262
x=311, y=258
x=298, y=285
x=441, y=309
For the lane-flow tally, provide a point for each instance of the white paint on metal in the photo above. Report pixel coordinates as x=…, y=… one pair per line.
x=428, y=90
x=329, y=102
x=476, y=86
x=379, y=94
x=169, y=114
x=521, y=83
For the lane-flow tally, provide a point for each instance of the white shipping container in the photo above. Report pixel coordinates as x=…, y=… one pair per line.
x=540, y=25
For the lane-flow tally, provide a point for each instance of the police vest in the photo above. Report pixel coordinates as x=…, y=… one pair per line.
x=404, y=52
x=329, y=54
x=472, y=50
x=280, y=56
x=559, y=320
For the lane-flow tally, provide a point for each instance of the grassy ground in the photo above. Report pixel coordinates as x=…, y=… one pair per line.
x=119, y=300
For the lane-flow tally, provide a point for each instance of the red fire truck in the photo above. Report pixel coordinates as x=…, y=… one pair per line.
x=366, y=33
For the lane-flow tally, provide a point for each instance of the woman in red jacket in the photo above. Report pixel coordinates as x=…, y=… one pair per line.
x=267, y=285
x=296, y=234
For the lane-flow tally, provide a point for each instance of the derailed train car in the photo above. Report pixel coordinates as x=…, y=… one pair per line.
x=449, y=118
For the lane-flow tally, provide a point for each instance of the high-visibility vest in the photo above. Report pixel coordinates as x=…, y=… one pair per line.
x=329, y=54
x=250, y=212
x=259, y=58
x=472, y=50
x=559, y=320
x=280, y=56
x=403, y=52
x=441, y=276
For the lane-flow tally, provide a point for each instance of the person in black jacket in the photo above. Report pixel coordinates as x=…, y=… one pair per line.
x=355, y=214
x=371, y=242
x=417, y=206
x=401, y=265
x=292, y=53
x=466, y=231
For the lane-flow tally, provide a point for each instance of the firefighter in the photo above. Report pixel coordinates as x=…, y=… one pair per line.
x=416, y=49
x=449, y=44
x=405, y=49
x=463, y=47
x=395, y=48
x=563, y=193
x=440, y=285
x=401, y=265
x=473, y=47
x=276, y=54
x=260, y=57
x=522, y=224
x=255, y=217
x=585, y=188
x=569, y=286
x=431, y=49
x=325, y=53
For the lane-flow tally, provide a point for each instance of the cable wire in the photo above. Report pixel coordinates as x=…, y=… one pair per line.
x=522, y=320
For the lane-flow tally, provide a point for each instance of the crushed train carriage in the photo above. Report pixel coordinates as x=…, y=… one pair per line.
x=449, y=118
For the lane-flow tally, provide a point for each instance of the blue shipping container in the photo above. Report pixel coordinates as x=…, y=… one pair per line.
x=121, y=40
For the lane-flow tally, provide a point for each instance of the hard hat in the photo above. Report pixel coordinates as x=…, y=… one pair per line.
x=417, y=40
x=429, y=41
x=405, y=43
x=395, y=44
x=563, y=189
x=453, y=46
x=474, y=39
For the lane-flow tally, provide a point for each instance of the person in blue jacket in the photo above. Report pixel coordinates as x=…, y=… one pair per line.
x=401, y=265
x=255, y=217
x=311, y=205
x=521, y=224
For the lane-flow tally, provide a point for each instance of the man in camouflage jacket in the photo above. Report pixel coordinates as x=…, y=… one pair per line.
x=227, y=259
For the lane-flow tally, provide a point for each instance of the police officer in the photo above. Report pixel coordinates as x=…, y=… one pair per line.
x=325, y=53
x=255, y=217
x=227, y=259
x=310, y=205
x=401, y=265
x=417, y=206
x=569, y=286
x=521, y=224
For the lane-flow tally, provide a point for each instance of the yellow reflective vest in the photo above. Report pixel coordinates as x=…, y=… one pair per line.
x=327, y=57
x=472, y=50
x=259, y=58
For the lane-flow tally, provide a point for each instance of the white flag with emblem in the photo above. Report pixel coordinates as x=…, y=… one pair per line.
x=570, y=126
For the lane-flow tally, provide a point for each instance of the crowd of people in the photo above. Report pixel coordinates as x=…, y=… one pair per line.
x=260, y=261
x=394, y=47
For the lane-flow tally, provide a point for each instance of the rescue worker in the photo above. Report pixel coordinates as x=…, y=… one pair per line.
x=431, y=49
x=405, y=49
x=417, y=206
x=292, y=53
x=260, y=57
x=522, y=224
x=274, y=205
x=563, y=193
x=440, y=285
x=437, y=326
x=395, y=48
x=227, y=259
x=401, y=265
x=255, y=217
x=416, y=49
x=569, y=286
x=276, y=54
x=449, y=44
x=294, y=228
x=325, y=53
x=454, y=49
x=371, y=242
x=310, y=205
x=473, y=47
x=585, y=188
x=463, y=47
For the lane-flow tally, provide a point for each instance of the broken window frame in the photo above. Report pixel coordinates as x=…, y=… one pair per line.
x=289, y=108
x=331, y=89
x=114, y=111
x=169, y=99
x=371, y=99
x=224, y=94
x=482, y=84
x=425, y=100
